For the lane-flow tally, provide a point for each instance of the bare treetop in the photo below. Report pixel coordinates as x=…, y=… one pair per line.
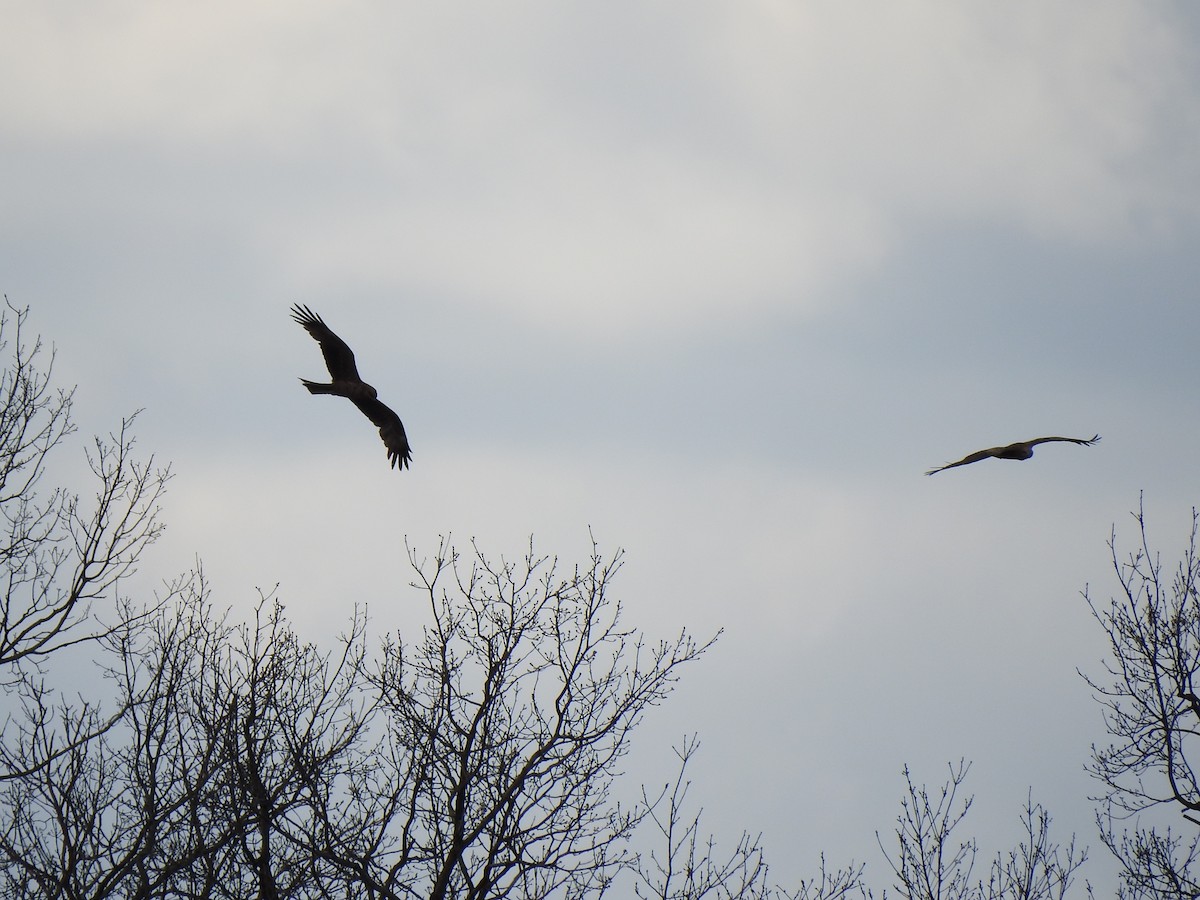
x=57, y=555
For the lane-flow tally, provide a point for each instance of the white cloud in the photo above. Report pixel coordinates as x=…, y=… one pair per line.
x=1028, y=112
x=643, y=168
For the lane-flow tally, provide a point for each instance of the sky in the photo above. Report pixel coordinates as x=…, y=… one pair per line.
x=713, y=283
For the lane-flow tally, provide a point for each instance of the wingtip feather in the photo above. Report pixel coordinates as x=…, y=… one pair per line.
x=304, y=316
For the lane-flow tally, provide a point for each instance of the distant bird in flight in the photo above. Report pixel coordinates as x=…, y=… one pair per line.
x=339, y=359
x=1022, y=450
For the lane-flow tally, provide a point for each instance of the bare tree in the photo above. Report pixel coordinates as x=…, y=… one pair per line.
x=477, y=762
x=57, y=554
x=929, y=864
x=505, y=726
x=690, y=867
x=1152, y=713
x=204, y=786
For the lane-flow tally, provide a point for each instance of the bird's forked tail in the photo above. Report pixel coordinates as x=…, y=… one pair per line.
x=315, y=387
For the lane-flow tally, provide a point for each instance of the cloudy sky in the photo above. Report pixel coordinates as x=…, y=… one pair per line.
x=717, y=281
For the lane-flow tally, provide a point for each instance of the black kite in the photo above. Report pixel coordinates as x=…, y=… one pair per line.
x=339, y=359
x=1021, y=450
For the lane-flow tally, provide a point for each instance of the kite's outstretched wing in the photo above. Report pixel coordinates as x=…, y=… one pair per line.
x=966, y=460
x=1019, y=450
x=1085, y=442
x=391, y=429
x=339, y=358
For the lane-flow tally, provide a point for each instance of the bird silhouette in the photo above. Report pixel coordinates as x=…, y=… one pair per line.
x=1020, y=450
x=339, y=359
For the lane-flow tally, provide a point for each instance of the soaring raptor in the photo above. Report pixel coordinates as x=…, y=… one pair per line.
x=1021, y=450
x=339, y=359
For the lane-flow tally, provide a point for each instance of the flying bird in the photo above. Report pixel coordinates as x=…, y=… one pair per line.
x=1021, y=450
x=339, y=359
